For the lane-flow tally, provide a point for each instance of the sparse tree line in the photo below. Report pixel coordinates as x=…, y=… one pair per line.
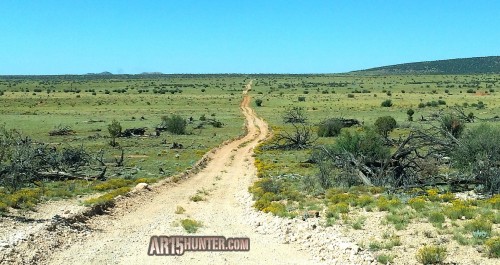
x=25, y=162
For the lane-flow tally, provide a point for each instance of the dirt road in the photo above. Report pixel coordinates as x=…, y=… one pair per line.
x=123, y=236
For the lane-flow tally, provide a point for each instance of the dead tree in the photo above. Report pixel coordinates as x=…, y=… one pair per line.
x=461, y=114
x=402, y=167
x=24, y=162
x=61, y=130
x=301, y=137
x=133, y=132
x=294, y=115
x=119, y=162
x=349, y=122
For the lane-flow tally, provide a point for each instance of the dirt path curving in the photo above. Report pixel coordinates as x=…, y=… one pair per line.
x=122, y=237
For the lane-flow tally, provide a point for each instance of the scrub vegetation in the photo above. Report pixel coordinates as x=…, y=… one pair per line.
x=386, y=155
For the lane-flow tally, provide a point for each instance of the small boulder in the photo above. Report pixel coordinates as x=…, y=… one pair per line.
x=141, y=186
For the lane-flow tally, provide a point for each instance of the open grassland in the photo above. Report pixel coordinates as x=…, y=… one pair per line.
x=361, y=96
x=36, y=106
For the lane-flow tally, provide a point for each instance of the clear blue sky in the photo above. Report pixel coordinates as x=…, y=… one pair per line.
x=237, y=36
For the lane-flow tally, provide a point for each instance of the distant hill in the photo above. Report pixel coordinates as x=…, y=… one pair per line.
x=102, y=73
x=151, y=73
x=474, y=65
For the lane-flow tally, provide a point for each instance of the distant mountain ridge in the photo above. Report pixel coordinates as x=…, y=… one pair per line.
x=473, y=65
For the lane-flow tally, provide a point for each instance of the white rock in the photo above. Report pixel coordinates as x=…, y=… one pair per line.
x=141, y=186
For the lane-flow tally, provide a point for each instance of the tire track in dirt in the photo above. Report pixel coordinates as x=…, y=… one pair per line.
x=122, y=237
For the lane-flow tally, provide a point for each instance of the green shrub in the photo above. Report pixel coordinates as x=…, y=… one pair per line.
x=3, y=207
x=190, y=225
x=436, y=218
x=374, y=246
x=261, y=204
x=385, y=204
x=258, y=102
x=399, y=220
x=376, y=189
x=386, y=103
x=333, y=197
x=460, y=238
x=458, y=209
x=276, y=208
x=174, y=124
x=330, y=128
x=196, y=198
x=364, y=200
x=494, y=201
x=493, y=245
x=410, y=113
x=478, y=153
x=368, y=144
x=431, y=254
x=417, y=203
x=447, y=197
x=340, y=207
x=115, y=130
x=393, y=241
x=385, y=125
x=433, y=195
x=25, y=198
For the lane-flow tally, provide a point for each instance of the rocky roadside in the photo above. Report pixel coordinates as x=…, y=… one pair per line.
x=327, y=245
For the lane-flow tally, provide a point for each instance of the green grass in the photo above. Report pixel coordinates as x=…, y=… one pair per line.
x=389, y=241
x=146, y=158
x=385, y=258
x=358, y=223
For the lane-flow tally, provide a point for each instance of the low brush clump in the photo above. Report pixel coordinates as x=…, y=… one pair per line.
x=460, y=209
x=113, y=184
x=431, y=255
x=494, y=201
x=108, y=198
x=479, y=225
x=385, y=204
x=190, y=225
x=493, y=245
x=417, y=203
x=25, y=198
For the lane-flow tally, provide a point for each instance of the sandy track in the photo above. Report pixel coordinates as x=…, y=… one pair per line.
x=122, y=237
